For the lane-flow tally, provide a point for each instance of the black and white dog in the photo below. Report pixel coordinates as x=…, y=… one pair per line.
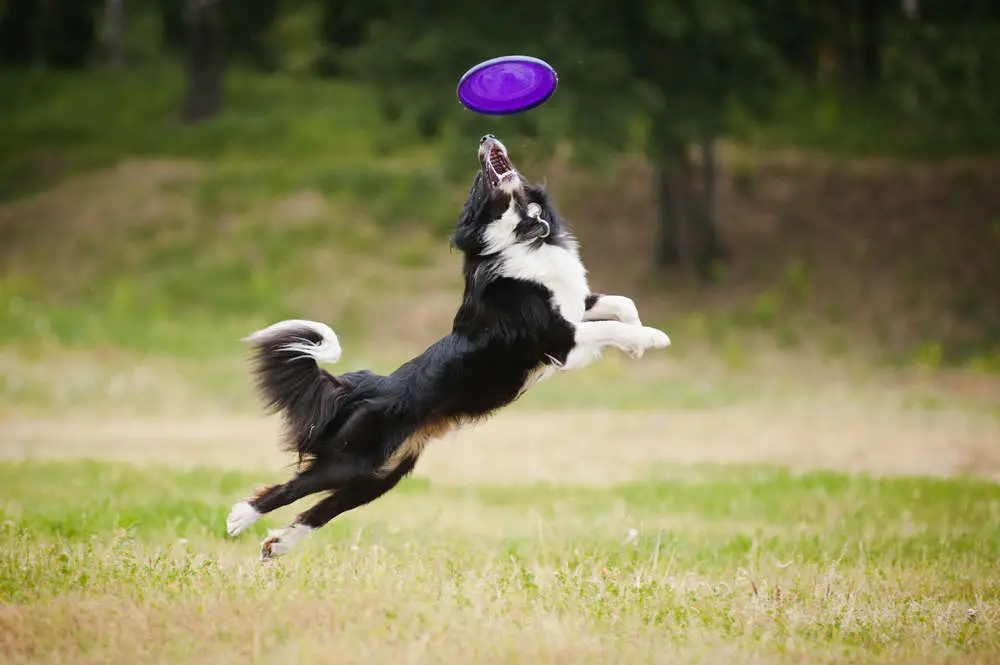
x=527, y=311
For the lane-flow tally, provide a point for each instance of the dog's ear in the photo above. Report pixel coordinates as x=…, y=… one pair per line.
x=464, y=238
x=466, y=231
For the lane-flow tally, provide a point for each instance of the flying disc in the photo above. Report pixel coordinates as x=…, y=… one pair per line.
x=506, y=85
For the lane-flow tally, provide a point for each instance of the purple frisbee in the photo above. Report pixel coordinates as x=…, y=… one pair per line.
x=506, y=85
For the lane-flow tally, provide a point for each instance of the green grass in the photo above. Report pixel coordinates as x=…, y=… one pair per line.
x=838, y=121
x=178, y=255
x=201, y=233
x=108, y=563
x=61, y=123
x=275, y=135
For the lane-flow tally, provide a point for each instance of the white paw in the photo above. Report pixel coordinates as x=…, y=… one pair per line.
x=280, y=541
x=241, y=517
x=645, y=338
x=615, y=308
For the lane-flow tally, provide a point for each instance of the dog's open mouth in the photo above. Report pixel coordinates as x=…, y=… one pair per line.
x=496, y=165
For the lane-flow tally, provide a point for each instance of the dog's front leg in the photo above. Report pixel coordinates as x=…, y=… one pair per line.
x=603, y=307
x=593, y=336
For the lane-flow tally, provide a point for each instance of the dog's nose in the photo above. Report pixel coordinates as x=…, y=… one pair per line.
x=486, y=137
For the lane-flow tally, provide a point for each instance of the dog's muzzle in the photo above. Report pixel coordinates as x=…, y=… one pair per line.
x=495, y=163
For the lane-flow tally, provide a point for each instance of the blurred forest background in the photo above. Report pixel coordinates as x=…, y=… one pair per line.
x=816, y=177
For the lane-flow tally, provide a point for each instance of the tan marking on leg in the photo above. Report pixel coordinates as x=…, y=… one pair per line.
x=266, y=548
x=261, y=491
x=415, y=444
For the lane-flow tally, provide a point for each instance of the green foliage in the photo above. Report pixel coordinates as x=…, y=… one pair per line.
x=18, y=41
x=682, y=64
x=60, y=34
x=247, y=28
x=946, y=75
x=247, y=25
x=173, y=30
x=54, y=124
x=845, y=122
x=697, y=60
x=294, y=41
x=929, y=355
x=343, y=25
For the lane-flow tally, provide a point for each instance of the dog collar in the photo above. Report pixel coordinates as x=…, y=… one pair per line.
x=542, y=228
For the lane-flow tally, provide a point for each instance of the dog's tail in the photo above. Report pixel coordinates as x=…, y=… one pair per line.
x=284, y=363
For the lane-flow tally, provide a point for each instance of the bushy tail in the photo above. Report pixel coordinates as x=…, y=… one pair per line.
x=284, y=363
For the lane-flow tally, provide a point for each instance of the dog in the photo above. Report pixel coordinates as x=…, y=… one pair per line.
x=527, y=312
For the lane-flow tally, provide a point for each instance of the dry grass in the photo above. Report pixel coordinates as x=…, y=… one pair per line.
x=574, y=446
x=108, y=564
x=891, y=253
x=687, y=562
x=62, y=229
x=482, y=622
x=613, y=422
x=913, y=268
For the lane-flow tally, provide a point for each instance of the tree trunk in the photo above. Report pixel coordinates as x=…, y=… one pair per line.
x=205, y=60
x=671, y=173
x=687, y=233
x=18, y=45
x=113, y=23
x=67, y=33
x=710, y=247
x=871, y=35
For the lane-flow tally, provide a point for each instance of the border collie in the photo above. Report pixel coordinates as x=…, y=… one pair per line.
x=527, y=312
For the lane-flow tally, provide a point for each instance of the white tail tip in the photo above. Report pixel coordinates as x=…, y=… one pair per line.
x=291, y=332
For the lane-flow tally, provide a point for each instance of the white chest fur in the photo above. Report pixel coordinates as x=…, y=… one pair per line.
x=557, y=268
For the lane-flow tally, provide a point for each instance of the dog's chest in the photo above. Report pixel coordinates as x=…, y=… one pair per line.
x=558, y=269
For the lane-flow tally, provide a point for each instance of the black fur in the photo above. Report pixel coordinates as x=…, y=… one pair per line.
x=359, y=433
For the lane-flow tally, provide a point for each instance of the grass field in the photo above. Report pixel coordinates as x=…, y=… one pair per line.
x=760, y=492
x=108, y=563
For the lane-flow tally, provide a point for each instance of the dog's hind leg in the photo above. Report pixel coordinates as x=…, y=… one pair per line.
x=243, y=515
x=317, y=478
x=356, y=493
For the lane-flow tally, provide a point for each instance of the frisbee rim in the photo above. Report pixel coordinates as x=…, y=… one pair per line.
x=523, y=59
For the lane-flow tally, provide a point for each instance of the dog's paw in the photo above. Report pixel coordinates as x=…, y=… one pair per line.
x=241, y=517
x=271, y=546
x=280, y=541
x=624, y=310
x=644, y=338
x=657, y=338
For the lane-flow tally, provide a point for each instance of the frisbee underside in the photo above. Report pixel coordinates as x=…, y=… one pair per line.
x=506, y=85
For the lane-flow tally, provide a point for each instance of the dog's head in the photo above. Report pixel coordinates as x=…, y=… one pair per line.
x=504, y=209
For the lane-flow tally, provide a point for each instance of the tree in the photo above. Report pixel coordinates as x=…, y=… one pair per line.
x=115, y=29
x=697, y=59
x=244, y=28
x=246, y=25
x=206, y=56
x=18, y=45
x=67, y=32
x=679, y=66
x=343, y=24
